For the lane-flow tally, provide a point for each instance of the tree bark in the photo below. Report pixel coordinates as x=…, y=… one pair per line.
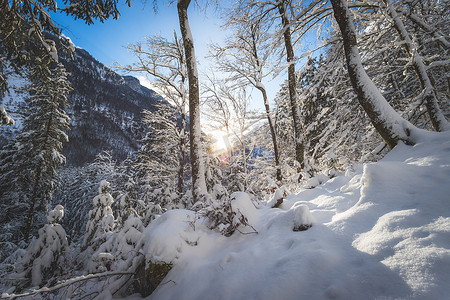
x=436, y=116
x=198, y=174
x=298, y=132
x=388, y=123
x=181, y=146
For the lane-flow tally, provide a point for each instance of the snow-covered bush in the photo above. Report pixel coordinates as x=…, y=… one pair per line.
x=229, y=213
x=168, y=236
x=164, y=241
x=119, y=251
x=149, y=211
x=301, y=217
x=47, y=256
x=278, y=197
x=124, y=208
x=101, y=219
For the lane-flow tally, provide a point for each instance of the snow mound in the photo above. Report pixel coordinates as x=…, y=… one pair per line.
x=317, y=180
x=167, y=236
x=381, y=231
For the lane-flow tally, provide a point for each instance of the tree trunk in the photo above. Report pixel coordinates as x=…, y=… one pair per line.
x=389, y=124
x=32, y=204
x=436, y=116
x=298, y=132
x=273, y=133
x=181, y=146
x=198, y=174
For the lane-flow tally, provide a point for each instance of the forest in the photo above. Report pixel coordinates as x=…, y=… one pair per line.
x=337, y=189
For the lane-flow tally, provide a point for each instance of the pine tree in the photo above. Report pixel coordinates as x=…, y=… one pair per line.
x=163, y=156
x=47, y=256
x=29, y=163
x=101, y=219
x=161, y=159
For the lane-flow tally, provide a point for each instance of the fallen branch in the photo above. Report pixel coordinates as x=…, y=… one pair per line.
x=65, y=284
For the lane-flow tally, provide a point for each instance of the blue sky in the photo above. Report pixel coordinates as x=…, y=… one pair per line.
x=106, y=41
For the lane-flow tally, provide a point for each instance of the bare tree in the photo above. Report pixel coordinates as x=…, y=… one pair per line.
x=164, y=60
x=290, y=58
x=229, y=108
x=246, y=56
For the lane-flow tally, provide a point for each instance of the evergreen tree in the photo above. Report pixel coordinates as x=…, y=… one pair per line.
x=163, y=156
x=47, y=256
x=29, y=163
x=118, y=252
x=160, y=161
x=101, y=219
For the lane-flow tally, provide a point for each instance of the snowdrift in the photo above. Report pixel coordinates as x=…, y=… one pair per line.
x=380, y=231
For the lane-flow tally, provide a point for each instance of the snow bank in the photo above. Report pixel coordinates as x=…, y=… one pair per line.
x=381, y=231
x=167, y=236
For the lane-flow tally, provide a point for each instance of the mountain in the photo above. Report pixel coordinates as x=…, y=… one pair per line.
x=105, y=109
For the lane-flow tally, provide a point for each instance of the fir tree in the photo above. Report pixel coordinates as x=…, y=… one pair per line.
x=29, y=163
x=101, y=219
x=47, y=256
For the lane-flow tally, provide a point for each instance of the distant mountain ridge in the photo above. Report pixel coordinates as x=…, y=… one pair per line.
x=105, y=110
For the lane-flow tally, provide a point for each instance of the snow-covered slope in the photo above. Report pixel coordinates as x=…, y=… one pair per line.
x=381, y=231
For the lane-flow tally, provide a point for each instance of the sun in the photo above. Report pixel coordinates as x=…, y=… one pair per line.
x=221, y=142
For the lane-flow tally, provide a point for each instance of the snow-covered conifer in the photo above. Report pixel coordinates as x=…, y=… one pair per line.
x=29, y=163
x=47, y=256
x=118, y=252
x=101, y=219
x=149, y=210
x=162, y=158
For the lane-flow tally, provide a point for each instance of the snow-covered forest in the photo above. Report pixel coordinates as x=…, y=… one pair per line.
x=338, y=188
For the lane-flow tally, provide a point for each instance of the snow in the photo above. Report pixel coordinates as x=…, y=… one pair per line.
x=379, y=231
x=242, y=203
x=46, y=256
x=56, y=214
x=5, y=118
x=168, y=235
x=103, y=187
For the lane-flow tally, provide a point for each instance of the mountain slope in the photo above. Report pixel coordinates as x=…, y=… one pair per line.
x=105, y=109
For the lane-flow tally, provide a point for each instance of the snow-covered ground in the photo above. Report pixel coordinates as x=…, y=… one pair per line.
x=381, y=231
